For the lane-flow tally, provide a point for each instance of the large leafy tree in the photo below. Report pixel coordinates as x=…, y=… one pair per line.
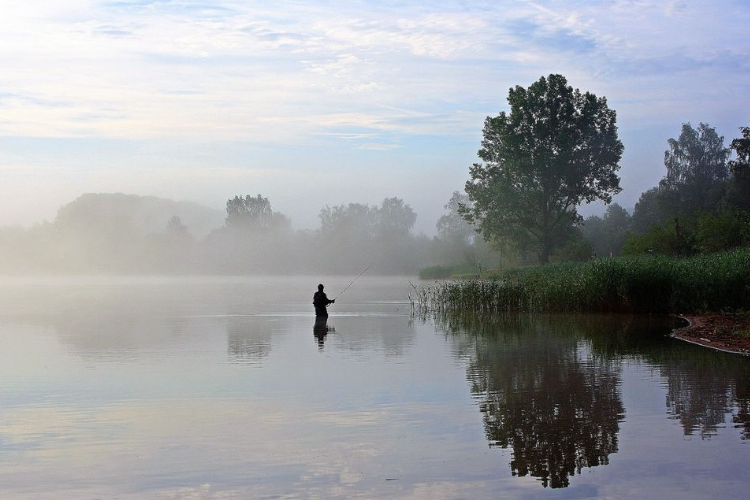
x=556, y=149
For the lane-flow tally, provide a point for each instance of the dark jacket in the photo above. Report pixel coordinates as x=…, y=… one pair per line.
x=320, y=301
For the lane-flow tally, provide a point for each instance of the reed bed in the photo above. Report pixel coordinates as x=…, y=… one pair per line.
x=712, y=283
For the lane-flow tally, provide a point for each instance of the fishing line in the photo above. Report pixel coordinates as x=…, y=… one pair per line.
x=355, y=279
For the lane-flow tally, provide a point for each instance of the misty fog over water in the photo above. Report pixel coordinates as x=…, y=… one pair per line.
x=221, y=387
x=128, y=234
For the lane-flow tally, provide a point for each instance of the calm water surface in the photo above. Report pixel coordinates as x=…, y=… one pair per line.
x=203, y=388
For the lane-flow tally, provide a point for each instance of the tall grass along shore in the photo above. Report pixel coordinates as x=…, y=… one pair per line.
x=714, y=283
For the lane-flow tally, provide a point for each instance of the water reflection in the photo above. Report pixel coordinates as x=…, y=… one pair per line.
x=704, y=388
x=549, y=389
x=392, y=336
x=321, y=329
x=547, y=397
x=249, y=339
x=136, y=387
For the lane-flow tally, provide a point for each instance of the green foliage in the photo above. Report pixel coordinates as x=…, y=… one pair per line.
x=696, y=165
x=555, y=149
x=725, y=230
x=607, y=235
x=697, y=156
x=443, y=272
x=739, y=192
x=696, y=182
x=712, y=232
x=644, y=284
x=741, y=146
x=393, y=218
x=703, y=202
x=669, y=239
x=647, y=212
x=575, y=250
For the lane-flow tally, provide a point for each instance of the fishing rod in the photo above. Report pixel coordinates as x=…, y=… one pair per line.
x=355, y=279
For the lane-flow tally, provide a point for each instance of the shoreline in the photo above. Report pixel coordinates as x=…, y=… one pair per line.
x=717, y=331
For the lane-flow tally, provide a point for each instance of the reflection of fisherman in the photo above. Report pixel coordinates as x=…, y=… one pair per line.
x=320, y=330
x=321, y=301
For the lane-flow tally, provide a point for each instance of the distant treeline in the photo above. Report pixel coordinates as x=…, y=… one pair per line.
x=128, y=234
x=701, y=205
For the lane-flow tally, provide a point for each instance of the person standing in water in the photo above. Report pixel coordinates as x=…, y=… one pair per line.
x=321, y=301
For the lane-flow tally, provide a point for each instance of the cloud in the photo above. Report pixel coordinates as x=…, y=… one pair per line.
x=559, y=39
x=379, y=146
x=675, y=6
x=250, y=68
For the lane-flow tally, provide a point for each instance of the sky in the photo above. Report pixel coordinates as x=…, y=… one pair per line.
x=322, y=103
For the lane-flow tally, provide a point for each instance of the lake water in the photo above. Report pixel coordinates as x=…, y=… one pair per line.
x=219, y=388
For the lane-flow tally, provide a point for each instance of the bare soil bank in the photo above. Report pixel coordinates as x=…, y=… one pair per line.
x=725, y=332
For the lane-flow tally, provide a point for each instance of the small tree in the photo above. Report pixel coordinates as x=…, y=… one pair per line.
x=249, y=212
x=607, y=235
x=394, y=218
x=555, y=149
x=176, y=229
x=455, y=236
x=741, y=146
x=696, y=164
x=740, y=168
x=647, y=212
x=452, y=226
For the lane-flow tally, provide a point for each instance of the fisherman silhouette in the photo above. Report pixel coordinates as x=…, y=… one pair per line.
x=321, y=301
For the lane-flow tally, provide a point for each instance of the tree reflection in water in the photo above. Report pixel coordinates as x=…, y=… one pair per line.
x=545, y=394
x=549, y=385
x=558, y=412
x=704, y=387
